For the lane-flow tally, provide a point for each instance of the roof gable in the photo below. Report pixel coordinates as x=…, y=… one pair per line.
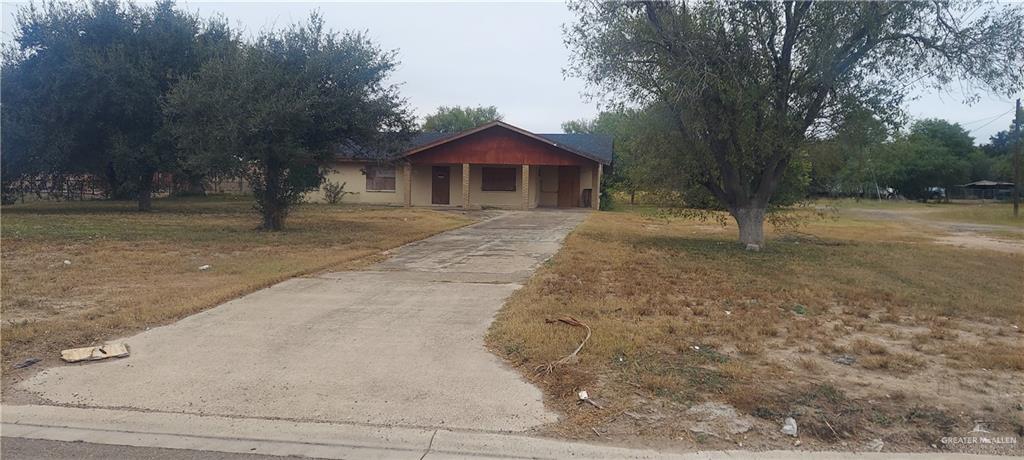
x=594, y=147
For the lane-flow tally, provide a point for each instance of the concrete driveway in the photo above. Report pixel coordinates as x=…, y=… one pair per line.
x=400, y=344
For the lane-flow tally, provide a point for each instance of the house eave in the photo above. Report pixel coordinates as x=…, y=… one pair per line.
x=515, y=129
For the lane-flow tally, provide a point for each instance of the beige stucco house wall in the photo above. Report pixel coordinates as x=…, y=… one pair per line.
x=351, y=174
x=543, y=185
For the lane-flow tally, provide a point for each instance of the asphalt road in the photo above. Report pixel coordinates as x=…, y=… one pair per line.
x=37, y=449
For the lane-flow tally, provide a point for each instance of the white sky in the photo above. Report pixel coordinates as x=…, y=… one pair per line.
x=509, y=55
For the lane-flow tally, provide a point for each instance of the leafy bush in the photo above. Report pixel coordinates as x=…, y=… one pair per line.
x=607, y=203
x=334, y=192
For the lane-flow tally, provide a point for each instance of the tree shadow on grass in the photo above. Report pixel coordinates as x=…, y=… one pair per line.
x=724, y=248
x=217, y=204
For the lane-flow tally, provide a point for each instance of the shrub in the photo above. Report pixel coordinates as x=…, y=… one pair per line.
x=607, y=203
x=334, y=192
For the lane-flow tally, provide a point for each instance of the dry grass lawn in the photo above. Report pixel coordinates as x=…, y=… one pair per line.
x=682, y=316
x=129, y=270
x=965, y=211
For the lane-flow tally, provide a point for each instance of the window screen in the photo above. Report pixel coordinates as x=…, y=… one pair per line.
x=380, y=178
x=498, y=180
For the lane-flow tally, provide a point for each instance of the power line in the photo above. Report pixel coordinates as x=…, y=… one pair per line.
x=989, y=118
x=993, y=121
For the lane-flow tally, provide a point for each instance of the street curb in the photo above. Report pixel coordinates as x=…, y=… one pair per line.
x=341, y=440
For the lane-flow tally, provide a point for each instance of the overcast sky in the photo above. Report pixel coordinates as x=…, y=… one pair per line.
x=509, y=55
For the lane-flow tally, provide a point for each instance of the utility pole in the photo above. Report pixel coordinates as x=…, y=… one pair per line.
x=1018, y=119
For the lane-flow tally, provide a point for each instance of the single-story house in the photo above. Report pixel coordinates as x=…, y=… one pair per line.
x=494, y=165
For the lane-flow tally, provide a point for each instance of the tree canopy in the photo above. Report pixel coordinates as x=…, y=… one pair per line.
x=84, y=86
x=747, y=84
x=278, y=109
x=933, y=154
x=643, y=142
x=999, y=154
x=866, y=158
x=847, y=161
x=621, y=125
x=457, y=118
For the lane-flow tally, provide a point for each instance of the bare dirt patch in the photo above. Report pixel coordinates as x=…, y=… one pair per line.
x=946, y=224
x=973, y=240
x=865, y=332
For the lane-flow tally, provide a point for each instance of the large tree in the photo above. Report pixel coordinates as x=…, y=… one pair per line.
x=846, y=161
x=999, y=150
x=84, y=84
x=279, y=108
x=920, y=163
x=749, y=83
x=615, y=124
x=457, y=118
x=964, y=162
x=640, y=144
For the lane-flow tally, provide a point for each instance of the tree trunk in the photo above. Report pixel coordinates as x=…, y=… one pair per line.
x=270, y=199
x=751, y=223
x=146, y=192
x=632, y=197
x=115, y=184
x=188, y=184
x=273, y=219
x=196, y=187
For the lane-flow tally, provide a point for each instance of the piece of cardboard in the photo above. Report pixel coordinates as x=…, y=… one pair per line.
x=110, y=350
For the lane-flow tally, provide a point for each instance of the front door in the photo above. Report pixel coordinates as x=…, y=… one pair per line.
x=568, y=186
x=440, y=188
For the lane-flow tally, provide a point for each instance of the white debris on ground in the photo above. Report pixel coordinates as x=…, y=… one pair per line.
x=789, y=427
x=110, y=350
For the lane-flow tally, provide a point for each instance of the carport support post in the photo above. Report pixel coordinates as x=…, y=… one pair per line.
x=465, y=185
x=526, y=187
x=595, y=199
x=408, y=184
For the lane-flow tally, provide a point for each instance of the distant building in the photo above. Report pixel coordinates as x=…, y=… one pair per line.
x=987, y=190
